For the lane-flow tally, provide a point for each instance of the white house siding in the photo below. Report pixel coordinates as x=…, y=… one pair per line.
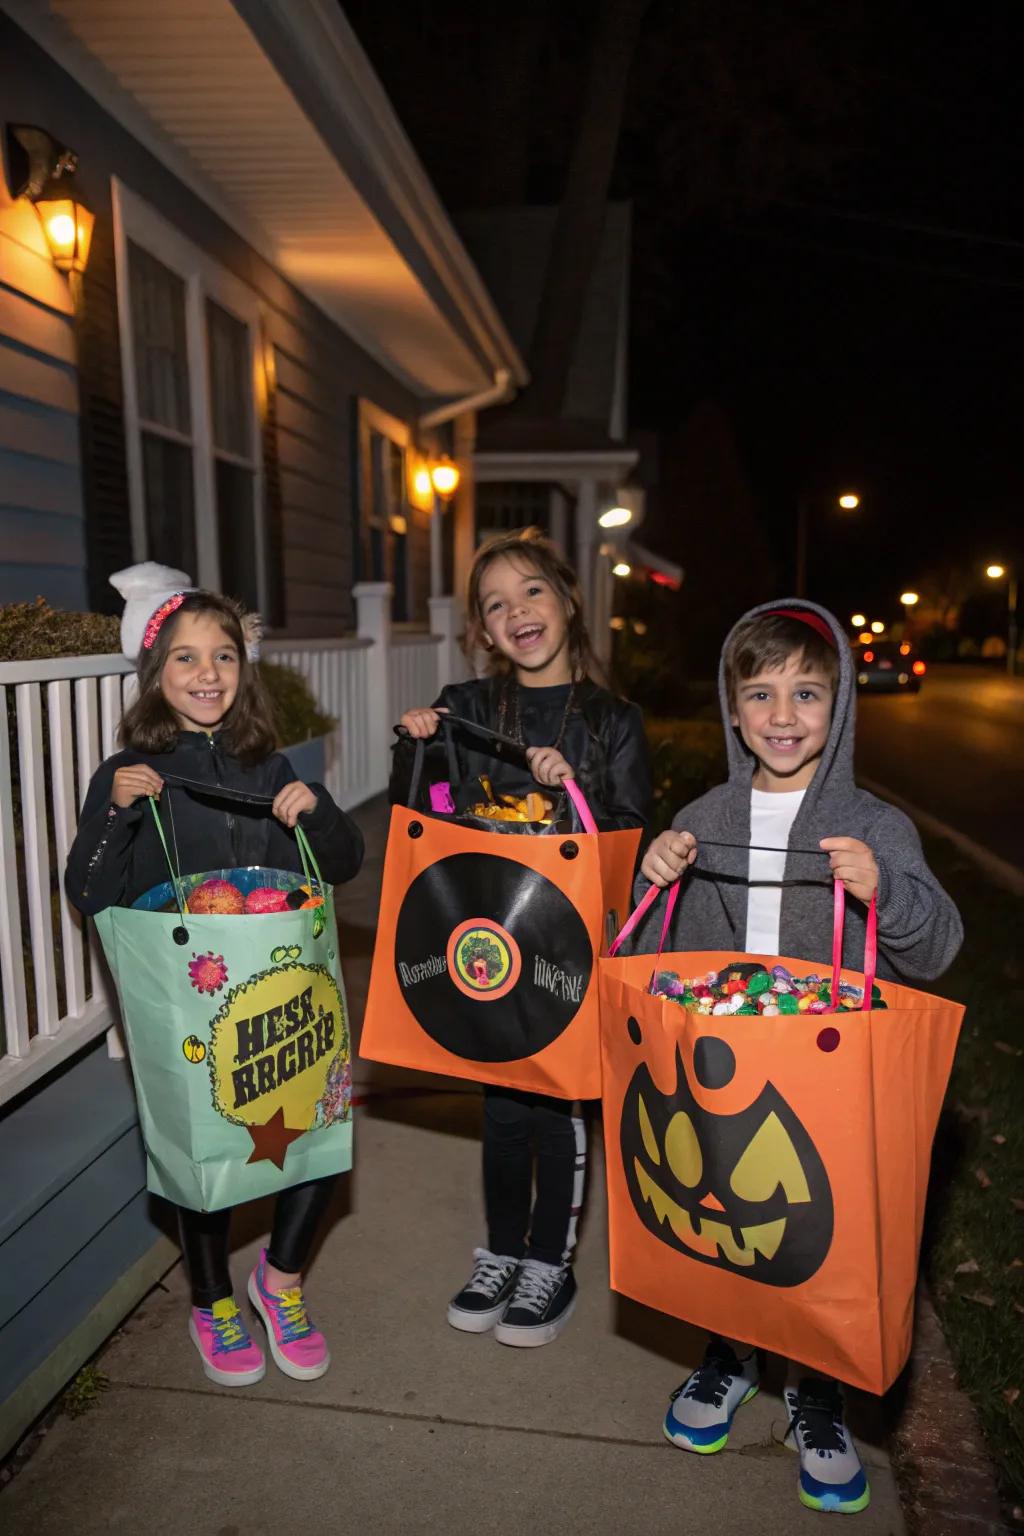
x=42, y=531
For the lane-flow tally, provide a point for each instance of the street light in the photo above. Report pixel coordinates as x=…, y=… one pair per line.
x=849, y=501
x=858, y=621
x=996, y=572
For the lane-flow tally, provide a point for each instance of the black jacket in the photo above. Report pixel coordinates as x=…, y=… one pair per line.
x=603, y=740
x=117, y=854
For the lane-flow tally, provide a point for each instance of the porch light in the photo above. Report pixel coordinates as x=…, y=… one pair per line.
x=908, y=599
x=621, y=569
x=858, y=621
x=849, y=500
x=615, y=517
x=44, y=171
x=878, y=628
x=617, y=622
x=445, y=477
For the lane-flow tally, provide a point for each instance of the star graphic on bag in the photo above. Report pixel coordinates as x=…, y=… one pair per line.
x=270, y=1142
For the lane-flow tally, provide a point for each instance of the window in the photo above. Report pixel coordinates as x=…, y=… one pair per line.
x=382, y=537
x=189, y=342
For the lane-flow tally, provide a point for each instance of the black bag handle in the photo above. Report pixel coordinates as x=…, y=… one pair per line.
x=496, y=738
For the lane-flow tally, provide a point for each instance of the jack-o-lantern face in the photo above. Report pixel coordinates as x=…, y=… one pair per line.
x=747, y=1192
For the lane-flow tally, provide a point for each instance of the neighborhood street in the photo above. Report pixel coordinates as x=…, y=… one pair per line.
x=956, y=750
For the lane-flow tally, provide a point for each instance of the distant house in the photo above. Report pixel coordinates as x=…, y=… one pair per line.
x=564, y=472
x=273, y=303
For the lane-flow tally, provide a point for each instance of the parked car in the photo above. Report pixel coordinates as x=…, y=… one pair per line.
x=885, y=667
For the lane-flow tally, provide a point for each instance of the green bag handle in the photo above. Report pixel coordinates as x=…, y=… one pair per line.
x=310, y=869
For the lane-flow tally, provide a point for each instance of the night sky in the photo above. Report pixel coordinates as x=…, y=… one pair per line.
x=829, y=249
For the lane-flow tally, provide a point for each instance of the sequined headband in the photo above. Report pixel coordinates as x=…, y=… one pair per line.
x=156, y=622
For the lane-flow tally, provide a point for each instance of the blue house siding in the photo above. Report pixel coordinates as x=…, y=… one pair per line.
x=75, y=1217
x=42, y=522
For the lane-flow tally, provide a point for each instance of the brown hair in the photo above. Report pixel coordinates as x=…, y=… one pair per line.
x=530, y=547
x=150, y=725
x=770, y=640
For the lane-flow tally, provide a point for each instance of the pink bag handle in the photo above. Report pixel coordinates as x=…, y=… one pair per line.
x=646, y=903
x=583, y=810
x=838, y=920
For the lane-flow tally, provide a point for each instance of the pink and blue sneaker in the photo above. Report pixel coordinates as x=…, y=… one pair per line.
x=298, y=1349
x=229, y=1356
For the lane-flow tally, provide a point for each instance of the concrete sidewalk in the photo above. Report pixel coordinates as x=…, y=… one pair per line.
x=415, y=1427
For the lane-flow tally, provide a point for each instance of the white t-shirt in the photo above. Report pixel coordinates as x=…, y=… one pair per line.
x=771, y=821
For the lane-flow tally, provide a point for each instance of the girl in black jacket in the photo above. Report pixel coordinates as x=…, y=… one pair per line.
x=202, y=715
x=525, y=610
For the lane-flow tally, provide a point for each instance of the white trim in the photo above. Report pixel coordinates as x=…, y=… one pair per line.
x=317, y=48
x=204, y=278
x=603, y=464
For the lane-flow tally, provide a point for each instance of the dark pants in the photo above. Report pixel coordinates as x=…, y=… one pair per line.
x=524, y=1131
x=204, y=1238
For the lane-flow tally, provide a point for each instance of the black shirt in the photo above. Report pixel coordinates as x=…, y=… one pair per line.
x=603, y=739
x=117, y=854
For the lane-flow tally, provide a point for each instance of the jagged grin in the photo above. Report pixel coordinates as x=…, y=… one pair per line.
x=706, y=1235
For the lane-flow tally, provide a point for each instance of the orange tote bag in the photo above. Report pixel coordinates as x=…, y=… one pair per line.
x=767, y=1175
x=484, y=962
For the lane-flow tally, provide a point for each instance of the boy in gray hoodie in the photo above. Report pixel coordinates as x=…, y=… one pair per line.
x=755, y=884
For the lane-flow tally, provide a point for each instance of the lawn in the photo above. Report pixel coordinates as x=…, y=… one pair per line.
x=974, y=1240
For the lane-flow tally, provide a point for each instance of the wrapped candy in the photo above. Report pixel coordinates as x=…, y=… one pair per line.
x=743, y=988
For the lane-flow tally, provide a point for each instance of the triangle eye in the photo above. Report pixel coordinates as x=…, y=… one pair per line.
x=770, y=1160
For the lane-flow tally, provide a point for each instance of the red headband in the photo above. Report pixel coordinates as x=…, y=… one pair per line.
x=163, y=612
x=806, y=617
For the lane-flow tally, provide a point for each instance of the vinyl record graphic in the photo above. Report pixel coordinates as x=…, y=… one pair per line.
x=492, y=958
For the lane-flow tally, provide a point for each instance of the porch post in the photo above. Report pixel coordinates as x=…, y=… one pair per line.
x=436, y=551
x=445, y=621
x=586, y=538
x=558, y=518
x=373, y=622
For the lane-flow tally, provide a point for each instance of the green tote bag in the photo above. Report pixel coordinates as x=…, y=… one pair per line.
x=238, y=1034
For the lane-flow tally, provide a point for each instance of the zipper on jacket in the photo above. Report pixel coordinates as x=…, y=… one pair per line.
x=229, y=814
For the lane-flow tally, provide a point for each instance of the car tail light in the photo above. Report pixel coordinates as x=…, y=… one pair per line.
x=868, y=656
x=919, y=669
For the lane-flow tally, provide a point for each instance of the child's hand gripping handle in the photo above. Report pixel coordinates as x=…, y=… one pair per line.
x=501, y=745
x=839, y=917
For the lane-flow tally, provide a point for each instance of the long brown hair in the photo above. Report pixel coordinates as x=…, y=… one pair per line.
x=529, y=548
x=150, y=725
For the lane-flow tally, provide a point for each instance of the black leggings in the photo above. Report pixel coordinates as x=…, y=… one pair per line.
x=520, y=1128
x=204, y=1238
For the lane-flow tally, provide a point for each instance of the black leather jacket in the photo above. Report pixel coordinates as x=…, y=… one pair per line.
x=117, y=855
x=603, y=740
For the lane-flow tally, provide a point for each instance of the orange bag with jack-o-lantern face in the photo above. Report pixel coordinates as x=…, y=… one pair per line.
x=767, y=1175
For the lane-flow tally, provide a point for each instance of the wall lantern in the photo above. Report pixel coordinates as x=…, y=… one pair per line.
x=445, y=477
x=44, y=171
x=615, y=517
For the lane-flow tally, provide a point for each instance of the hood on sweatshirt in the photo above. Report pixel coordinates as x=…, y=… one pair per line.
x=835, y=766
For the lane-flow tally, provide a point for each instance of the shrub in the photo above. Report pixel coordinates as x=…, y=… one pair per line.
x=688, y=758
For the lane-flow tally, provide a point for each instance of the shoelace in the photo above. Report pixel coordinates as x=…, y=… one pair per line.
x=489, y=1275
x=291, y=1311
x=536, y=1285
x=228, y=1332
x=818, y=1416
x=711, y=1380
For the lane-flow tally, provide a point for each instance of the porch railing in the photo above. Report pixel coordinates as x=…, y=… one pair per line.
x=60, y=721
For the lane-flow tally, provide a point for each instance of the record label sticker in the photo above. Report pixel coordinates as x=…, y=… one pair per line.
x=492, y=958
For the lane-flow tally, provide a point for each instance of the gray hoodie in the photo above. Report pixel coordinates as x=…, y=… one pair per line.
x=919, y=928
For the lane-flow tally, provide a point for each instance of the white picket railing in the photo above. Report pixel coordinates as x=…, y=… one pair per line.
x=412, y=671
x=60, y=719
x=338, y=674
x=58, y=1002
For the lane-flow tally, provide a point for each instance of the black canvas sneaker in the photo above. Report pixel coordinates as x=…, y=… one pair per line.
x=540, y=1306
x=486, y=1293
